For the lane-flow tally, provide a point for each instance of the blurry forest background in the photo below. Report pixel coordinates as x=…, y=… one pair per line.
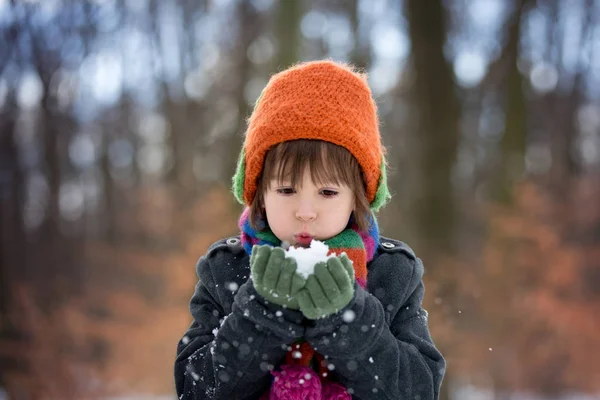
x=121, y=121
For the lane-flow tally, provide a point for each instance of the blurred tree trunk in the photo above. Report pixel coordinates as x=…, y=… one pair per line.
x=110, y=220
x=127, y=113
x=361, y=55
x=186, y=134
x=172, y=109
x=510, y=165
x=45, y=63
x=437, y=128
x=513, y=143
x=50, y=227
x=249, y=30
x=564, y=108
x=12, y=192
x=289, y=15
x=437, y=123
x=12, y=201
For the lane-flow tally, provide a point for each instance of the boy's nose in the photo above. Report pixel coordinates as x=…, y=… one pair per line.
x=306, y=213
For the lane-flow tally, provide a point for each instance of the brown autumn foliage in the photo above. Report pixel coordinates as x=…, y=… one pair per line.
x=50, y=355
x=525, y=312
x=119, y=333
x=149, y=317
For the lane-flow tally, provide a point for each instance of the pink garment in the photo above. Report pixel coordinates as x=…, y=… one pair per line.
x=295, y=382
x=334, y=391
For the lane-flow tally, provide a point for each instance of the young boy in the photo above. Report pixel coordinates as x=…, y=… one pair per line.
x=312, y=170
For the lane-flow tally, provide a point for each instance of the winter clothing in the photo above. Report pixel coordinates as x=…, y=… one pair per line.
x=321, y=100
x=359, y=331
x=329, y=290
x=275, y=276
x=237, y=337
x=295, y=382
x=321, y=295
x=359, y=246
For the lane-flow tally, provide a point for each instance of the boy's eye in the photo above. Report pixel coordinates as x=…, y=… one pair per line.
x=285, y=191
x=329, y=193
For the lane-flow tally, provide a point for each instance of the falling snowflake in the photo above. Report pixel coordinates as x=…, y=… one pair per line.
x=348, y=316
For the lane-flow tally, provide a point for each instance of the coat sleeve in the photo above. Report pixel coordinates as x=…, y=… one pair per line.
x=230, y=356
x=384, y=350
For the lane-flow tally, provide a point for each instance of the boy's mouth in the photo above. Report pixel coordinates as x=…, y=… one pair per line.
x=303, y=239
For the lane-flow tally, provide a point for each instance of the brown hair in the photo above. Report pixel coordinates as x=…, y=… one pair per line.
x=327, y=163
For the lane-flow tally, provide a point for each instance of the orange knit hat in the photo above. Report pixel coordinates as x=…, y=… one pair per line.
x=321, y=100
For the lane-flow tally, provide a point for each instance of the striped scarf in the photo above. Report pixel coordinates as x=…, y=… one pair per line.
x=360, y=247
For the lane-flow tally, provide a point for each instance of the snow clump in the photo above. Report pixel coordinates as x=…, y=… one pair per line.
x=307, y=258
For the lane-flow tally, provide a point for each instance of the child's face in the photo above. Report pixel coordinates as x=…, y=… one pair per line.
x=310, y=211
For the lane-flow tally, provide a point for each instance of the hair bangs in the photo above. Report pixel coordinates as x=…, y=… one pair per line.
x=328, y=163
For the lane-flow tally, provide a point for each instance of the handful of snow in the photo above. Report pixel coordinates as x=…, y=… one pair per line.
x=307, y=258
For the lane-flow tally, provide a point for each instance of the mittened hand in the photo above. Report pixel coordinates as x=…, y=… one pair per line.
x=329, y=289
x=275, y=276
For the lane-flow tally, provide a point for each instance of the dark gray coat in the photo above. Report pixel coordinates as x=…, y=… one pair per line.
x=236, y=337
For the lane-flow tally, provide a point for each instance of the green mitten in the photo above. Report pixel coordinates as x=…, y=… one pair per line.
x=275, y=276
x=329, y=289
